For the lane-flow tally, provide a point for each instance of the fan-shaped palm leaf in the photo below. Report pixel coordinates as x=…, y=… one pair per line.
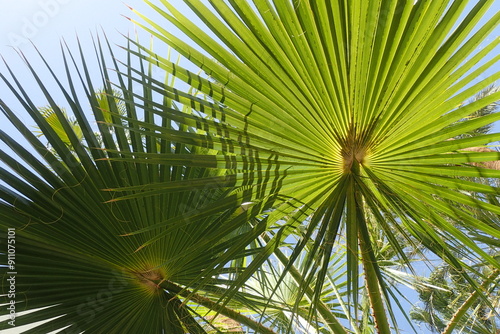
x=350, y=105
x=75, y=261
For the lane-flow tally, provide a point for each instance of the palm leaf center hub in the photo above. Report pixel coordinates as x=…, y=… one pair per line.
x=354, y=152
x=150, y=279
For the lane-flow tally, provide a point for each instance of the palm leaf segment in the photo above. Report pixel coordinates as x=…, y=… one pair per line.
x=347, y=106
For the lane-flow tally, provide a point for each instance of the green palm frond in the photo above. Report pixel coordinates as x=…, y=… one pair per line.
x=350, y=105
x=487, y=110
x=51, y=118
x=450, y=300
x=75, y=254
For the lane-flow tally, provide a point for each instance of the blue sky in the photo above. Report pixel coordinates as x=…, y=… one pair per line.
x=46, y=22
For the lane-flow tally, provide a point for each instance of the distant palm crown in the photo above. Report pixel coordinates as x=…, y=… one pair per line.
x=323, y=125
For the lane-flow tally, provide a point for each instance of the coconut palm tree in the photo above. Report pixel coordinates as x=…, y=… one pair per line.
x=310, y=123
x=351, y=106
x=448, y=296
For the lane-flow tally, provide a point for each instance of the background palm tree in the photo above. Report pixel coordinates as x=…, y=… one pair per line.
x=447, y=294
x=313, y=127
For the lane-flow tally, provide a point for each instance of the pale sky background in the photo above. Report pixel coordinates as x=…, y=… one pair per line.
x=46, y=22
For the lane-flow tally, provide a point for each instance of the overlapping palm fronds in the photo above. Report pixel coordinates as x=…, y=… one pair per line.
x=351, y=104
x=76, y=254
x=318, y=125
